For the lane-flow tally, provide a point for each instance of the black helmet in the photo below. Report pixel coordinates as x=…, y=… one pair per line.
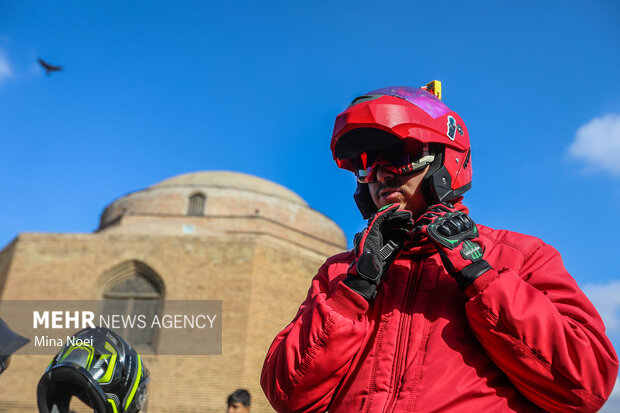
x=98, y=367
x=10, y=342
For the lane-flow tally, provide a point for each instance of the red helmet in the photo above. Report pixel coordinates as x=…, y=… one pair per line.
x=412, y=121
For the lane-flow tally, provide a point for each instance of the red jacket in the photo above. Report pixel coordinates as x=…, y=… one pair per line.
x=522, y=338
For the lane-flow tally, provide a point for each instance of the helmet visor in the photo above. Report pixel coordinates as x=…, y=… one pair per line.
x=417, y=96
x=366, y=165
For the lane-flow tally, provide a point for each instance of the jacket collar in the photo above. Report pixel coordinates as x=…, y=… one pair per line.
x=425, y=246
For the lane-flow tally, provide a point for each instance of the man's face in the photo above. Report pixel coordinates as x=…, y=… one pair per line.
x=405, y=190
x=238, y=407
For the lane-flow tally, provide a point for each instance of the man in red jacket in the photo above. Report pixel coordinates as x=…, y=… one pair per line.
x=431, y=312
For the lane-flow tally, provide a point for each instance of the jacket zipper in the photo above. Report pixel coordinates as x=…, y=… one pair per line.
x=404, y=332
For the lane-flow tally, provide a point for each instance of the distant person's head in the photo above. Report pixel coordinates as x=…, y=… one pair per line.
x=9, y=343
x=239, y=401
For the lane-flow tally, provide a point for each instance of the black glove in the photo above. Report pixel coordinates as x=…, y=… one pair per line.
x=455, y=235
x=376, y=247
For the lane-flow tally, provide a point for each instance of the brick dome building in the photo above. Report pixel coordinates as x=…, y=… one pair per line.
x=246, y=241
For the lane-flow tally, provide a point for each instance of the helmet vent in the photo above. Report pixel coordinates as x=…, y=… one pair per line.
x=467, y=158
x=364, y=98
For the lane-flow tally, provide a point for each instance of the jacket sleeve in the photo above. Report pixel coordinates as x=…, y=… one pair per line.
x=309, y=358
x=540, y=329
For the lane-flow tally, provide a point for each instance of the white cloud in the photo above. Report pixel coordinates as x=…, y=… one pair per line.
x=598, y=143
x=606, y=299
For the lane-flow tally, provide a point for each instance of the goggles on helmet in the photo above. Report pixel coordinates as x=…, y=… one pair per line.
x=366, y=166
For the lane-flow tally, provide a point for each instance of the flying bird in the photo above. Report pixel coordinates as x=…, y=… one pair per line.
x=48, y=67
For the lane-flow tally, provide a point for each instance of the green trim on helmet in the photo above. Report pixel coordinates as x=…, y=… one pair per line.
x=135, y=383
x=113, y=405
x=91, y=354
x=111, y=365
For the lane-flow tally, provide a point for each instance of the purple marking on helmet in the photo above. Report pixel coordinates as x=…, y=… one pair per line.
x=426, y=101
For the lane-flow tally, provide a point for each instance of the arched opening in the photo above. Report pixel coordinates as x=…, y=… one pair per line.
x=197, y=204
x=133, y=291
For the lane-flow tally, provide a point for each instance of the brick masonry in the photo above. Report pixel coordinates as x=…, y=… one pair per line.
x=256, y=249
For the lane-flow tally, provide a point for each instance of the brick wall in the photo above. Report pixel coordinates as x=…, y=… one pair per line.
x=258, y=267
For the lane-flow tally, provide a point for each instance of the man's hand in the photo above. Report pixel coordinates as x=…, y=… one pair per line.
x=376, y=247
x=456, y=237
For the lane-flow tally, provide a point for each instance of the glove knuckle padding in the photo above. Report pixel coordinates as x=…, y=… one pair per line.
x=458, y=223
x=452, y=227
x=456, y=237
x=445, y=230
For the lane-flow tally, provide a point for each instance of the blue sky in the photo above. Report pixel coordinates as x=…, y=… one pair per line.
x=153, y=89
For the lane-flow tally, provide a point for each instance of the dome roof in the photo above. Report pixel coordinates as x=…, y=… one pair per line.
x=233, y=180
x=218, y=202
